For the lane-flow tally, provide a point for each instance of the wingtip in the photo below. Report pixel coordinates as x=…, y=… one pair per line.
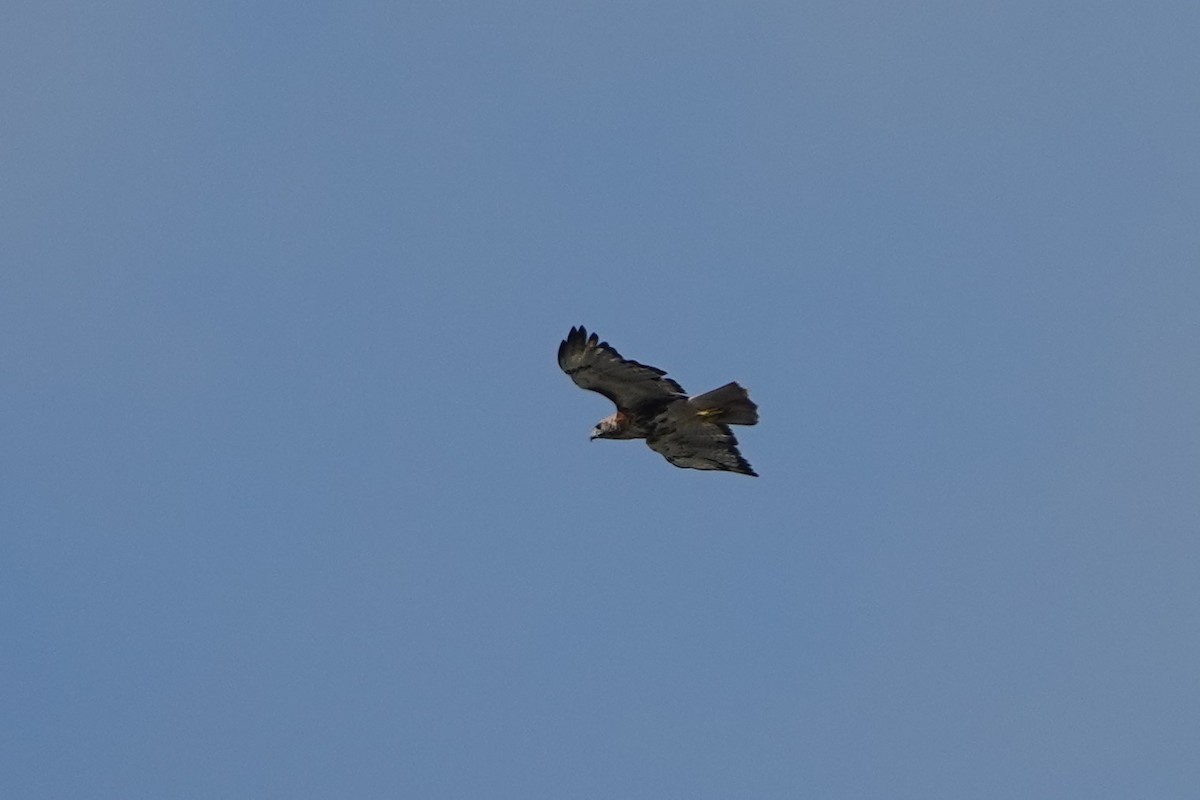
x=573, y=337
x=579, y=337
x=576, y=342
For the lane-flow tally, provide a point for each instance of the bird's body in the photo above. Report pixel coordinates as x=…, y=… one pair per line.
x=690, y=432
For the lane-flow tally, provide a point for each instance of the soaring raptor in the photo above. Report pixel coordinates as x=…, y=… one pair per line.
x=690, y=432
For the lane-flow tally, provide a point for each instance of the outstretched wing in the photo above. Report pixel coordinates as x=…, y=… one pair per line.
x=681, y=435
x=594, y=365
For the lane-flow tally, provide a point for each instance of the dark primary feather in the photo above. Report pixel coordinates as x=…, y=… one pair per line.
x=595, y=365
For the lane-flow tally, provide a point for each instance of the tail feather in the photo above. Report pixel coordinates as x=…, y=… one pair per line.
x=729, y=404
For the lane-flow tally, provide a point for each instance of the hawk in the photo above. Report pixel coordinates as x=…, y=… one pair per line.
x=690, y=432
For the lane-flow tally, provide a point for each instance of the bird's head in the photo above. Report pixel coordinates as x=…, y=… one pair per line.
x=608, y=428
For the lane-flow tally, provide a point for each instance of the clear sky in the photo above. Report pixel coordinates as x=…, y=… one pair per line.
x=295, y=502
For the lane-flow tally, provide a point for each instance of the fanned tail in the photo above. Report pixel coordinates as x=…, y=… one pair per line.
x=729, y=404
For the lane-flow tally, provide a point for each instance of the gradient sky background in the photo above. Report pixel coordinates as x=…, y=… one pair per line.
x=297, y=504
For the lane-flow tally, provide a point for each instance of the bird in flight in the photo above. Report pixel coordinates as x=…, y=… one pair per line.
x=690, y=432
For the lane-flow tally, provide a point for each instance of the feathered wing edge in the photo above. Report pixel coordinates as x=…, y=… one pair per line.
x=598, y=367
x=695, y=434
x=713, y=447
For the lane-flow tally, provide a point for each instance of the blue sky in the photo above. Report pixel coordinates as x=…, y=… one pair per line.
x=296, y=502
